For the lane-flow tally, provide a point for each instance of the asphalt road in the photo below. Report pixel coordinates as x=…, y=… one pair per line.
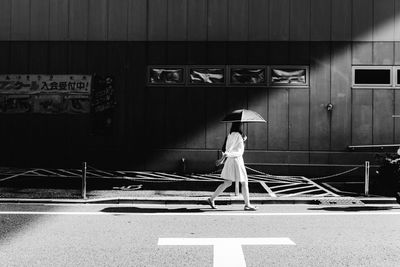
x=151, y=235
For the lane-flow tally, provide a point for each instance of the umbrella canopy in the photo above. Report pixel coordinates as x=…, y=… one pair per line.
x=243, y=115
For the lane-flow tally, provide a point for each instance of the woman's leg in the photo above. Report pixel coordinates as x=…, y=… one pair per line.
x=220, y=189
x=245, y=192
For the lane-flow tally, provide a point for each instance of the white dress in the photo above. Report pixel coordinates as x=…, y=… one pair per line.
x=234, y=168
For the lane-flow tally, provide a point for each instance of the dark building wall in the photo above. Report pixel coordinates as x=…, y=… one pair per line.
x=154, y=127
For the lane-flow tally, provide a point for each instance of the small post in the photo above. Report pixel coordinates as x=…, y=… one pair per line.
x=366, y=189
x=84, y=167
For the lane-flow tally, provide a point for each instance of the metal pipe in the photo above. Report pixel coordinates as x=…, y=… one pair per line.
x=84, y=167
x=366, y=188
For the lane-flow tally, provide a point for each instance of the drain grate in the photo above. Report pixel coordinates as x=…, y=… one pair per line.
x=340, y=201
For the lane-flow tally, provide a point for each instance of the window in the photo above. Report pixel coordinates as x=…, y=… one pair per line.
x=203, y=75
x=159, y=75
x=289, y=76
x=247, y=75
x=372, y=76
x=397, y=75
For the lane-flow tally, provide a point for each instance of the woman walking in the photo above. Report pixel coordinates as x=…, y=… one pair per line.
x=234, y=168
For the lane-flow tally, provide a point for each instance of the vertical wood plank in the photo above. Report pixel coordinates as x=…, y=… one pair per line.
x=4, y=57
x=321, y=20
x=197, y=53
x=137, y=20
x=20, y=20
x=97, y=57
x=258, y=132
x=257, y=53
x=77, y=63
x=175, y=104
x=195, y=118
x=278, y=53
x=362, y=117
x=341, y=96
x=397, y=53
x=300, y=20
x=18, y=57
x=258, y=20
x=217, y=53
x=58, y=29
x=118, y=20
x=238, y=20
x=58, y=57
x=362, y=29
x=97, y=27
x=215, y=112
x=299, y=53
x=383, y=53
x=5, y=20
x=38, y=57
x=362, y=53
x=383, y=22
x=341, y=20
x=39, y=24
x=397, y=20
x=396, y=120
x=279, y=14
x=320, y=96
x=237, y=53
x=217, y=20
x=299, y=119
x=157, y=20
x=78, y=19
x=278, y=116
x=197, y=20
x=383, y=110
x=177, y=20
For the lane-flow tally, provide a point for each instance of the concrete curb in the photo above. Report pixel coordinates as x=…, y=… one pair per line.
x=190, y=201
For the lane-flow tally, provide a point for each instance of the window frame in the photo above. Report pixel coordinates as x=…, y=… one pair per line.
x=184, y=70
x=272, y=84
x=396, y=76
x=264, y=67
x=371, y=67
x=223, y=67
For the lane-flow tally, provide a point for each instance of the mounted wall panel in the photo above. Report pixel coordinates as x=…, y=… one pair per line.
x=362, y=20
x=279, y=17
x=396, y=120
x=118, y=20
x=383, y=110
x=383, y=53
x=98, y=15
x=238, y=18
x=39, y=24
x=258, y=132
x=278, y=119
x=197, y=20
x=177, y=20
x=341, y=20
x=320, y=20
x=218, y=20
x=78, y=19
x=59, y=17
x=299, y=119
x=258, y=20
x=5, y=20
x=397, y=53
x=320, y=84
x=157, y=20
x=137, y=20
x=362, y=53
x=362, y=124
x=383, y=20
x=341, y=96
x=397, y=20
x=20, y=20
x=300, y=20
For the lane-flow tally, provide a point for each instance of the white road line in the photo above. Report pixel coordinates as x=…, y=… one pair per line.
x=96, y=213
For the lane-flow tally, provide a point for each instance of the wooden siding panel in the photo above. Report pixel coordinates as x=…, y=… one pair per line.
x=362, y=53
x=238, y=18
x=38, y=57
x=58, y=57
x=157, y=20
x=77, y=63
x=237, y=53
x=383, y=53
x=175, y=104
x=78, y=19
x=39, y=24
x=300, y=20
x=217, y=53
x=383, y=110
x=362, y=29
x=217, y=20
x=299, y=119
x=195, y=118
x=279, y=17
x=383, y=21
x=4, y=57
x=278, y=53
x=215, y=112
x=97, y=57
x=20, y=20
x=137, y=20
x=155, y=116
x=278, y=115
x=18, y=57
x=397, y=53
x=320, y=96
x=396, y=120
x=5, y=20
x=299, y=53
x=177, y=20
x=341, y=96
x=97, y=28
x=341, y=20
x=197, y=53
x=362, y=117
x=397, y=20
x=258, y=20
x=258, y=132
x=197, y=20
x=257, y=53
x=320, y=20
x=118, y=20
x=58, y=29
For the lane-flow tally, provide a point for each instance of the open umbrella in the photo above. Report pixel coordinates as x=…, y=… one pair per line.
x=243, y=115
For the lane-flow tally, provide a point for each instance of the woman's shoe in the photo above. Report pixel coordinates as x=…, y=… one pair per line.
x=211, y=203
x=250, y=208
